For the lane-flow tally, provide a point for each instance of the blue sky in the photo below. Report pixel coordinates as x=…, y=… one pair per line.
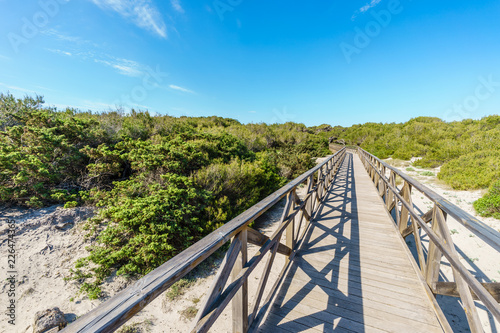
x=335, y=62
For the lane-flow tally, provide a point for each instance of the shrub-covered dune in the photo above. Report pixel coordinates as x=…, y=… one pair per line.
x=161, y=183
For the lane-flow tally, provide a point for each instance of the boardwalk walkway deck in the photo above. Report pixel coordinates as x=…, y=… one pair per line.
x=352, y=272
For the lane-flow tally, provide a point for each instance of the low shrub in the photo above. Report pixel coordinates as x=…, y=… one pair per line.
x=489, y=205
x=472, y=171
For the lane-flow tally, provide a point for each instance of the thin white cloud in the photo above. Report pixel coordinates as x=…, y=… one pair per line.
x=124, y=66
x=141, y=12
x=61, y=52
x=372, y=4
x=85, y=105
x=91, y=105
x=63, y=37
x=17, y=89
x=365, y=8
x=2, y=57
x=60, y=36
x=252, y=111
x=46, y=89
x=173, y=86
x=177, y=6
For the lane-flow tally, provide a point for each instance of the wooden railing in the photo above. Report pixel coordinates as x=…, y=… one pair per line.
x=399, y=203
x=294, y=222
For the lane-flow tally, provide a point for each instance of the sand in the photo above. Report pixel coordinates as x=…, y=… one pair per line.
x=49, y=241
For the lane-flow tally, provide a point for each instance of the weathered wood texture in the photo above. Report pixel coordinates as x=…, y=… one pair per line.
x=110, y=315
x=353, y=271
x=399, y=203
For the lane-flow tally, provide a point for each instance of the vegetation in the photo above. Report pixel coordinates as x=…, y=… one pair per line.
x=489, y=205
x=189, y=312
x=160, y=183
x=468, y=150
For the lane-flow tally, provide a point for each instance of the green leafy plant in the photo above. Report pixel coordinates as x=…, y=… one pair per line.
x=489, y=205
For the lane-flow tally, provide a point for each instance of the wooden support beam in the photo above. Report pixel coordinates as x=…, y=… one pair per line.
x=256, y=238
x=220, y=279
x=434, y=255
x=450, y=289
x=240, y=300
x=262, y=283
x=427, y=217
x=405, y=214
x=462, y=286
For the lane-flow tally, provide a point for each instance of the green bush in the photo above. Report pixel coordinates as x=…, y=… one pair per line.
x=472, y=171
x=236, y=186
x=143, y=224
x=489, y=205
x=40, y=158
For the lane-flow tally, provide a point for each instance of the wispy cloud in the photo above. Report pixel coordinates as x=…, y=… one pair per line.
x=61, y=52
x=252, y=111
x=372, y=4
x=173, y=86
x=177, y=6
x=142, y=13
x=16, y=89
x=86, y=105
x=92, y=53
x=60, y=36
x=91, y=105
x=2, y=57
x=124, y=66
x=365, y=8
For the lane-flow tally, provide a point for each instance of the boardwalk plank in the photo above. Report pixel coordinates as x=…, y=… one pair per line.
x=352, y=272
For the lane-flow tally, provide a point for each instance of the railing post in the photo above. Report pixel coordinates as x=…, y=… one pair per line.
x=240, y=300
x=434, y=255
x=290, y=229
x=462, y=287
x=405, y=214
x=390, y=197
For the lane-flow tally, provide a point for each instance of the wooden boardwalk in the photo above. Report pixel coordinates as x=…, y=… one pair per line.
x=352, y=272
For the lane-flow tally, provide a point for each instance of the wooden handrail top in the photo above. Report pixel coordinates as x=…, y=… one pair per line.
x=480, y=229
x=118, y=309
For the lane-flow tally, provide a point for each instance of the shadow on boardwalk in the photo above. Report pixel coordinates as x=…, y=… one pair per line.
x=320, y=298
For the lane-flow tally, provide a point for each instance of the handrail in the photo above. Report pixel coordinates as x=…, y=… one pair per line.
x=110, y=315
x=441, y=243
x=483, y=231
